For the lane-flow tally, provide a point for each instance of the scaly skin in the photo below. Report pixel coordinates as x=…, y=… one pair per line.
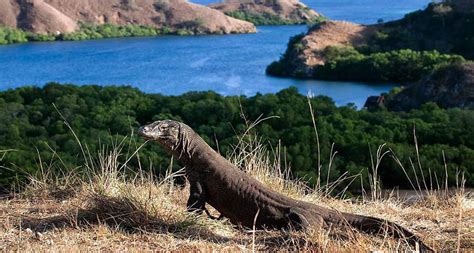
x=244, y=200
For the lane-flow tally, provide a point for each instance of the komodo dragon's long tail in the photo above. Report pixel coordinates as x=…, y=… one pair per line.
x=373, y=225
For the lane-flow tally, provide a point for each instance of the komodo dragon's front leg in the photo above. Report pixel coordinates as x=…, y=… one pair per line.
x=197, y=200
x=197, y=197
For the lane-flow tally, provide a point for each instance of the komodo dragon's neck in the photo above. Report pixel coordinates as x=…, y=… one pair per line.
x=192, y=149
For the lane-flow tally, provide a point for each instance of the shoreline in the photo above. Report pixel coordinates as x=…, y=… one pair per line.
x=309, y=92
x=143, y=32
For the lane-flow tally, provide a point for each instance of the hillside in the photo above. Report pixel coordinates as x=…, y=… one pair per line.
x=451, y=86
x=279, y=12
x=63, y=16
x=444, y=28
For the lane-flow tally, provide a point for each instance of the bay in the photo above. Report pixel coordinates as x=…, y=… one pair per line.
x=172, y=65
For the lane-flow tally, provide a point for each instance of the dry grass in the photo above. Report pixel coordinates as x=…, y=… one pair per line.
x=114, y=211
x=112, y=206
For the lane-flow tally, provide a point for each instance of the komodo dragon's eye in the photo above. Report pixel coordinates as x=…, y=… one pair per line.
x=168, y=129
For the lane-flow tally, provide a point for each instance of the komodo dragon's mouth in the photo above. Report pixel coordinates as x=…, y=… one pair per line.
x=143, y=132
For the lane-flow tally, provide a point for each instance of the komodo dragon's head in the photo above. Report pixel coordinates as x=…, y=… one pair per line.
x=176, y=137
x=166, y=132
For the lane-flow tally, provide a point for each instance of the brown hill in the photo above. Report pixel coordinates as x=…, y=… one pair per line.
x=310, y=53
x=290, y=10
x=39, y=16
x=451, y=86
x=8, y=13
x=52, y=16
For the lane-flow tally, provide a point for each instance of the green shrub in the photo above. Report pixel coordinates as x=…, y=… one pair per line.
x=11, y=35
x=334, y=53
x=40, y=37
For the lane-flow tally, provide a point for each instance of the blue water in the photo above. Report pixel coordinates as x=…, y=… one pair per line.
x=359, y=11
x=229, y=65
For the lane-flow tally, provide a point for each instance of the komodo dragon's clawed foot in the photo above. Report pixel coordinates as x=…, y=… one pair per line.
x=296, y=220
x=221, y=216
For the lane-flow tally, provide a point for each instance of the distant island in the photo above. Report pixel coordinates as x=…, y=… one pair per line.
x=47, y=20
x=405, y=50
x=277, y=12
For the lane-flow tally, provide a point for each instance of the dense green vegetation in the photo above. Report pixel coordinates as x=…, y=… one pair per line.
x=284, y=66
x=11, y=35
x=90, y=31
x=269, y=19
x=401, y=51
x=29, y=125
x=403, y=65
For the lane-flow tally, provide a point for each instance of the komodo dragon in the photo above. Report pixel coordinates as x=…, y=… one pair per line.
x=244, y=200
